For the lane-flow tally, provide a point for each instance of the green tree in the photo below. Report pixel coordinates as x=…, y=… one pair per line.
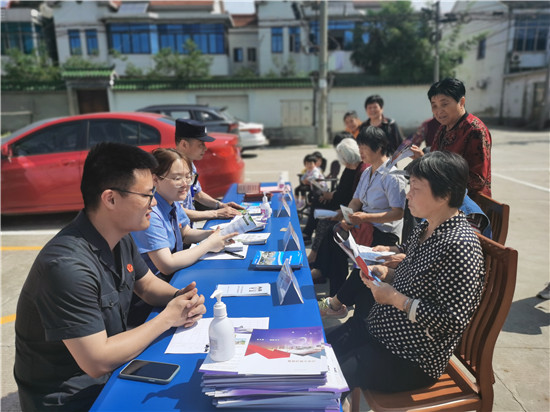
x=399, y=46
x=36, y=66
x=193, y=64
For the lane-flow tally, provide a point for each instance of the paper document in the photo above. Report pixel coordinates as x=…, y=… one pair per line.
x=402, y=152
x=254, y=289
x=252, y=238
x=370, y=255
x=345, y=240
x=324, y=214
x=347, y=211
x=240, y=224
x=195, y=339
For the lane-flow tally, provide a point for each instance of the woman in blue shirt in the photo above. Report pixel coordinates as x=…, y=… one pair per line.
x=162, y=243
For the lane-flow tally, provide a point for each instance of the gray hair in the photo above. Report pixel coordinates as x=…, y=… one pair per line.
x=348, y=152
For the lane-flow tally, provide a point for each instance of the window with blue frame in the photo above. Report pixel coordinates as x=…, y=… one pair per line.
x=276, y=40
x=18, y=35
x=130, y=38
x=210, y=38
x=531, y=32
x=75, y=47
x=294, y=39
x=238, y=54
x=481, y=48
x=92, y=46
x=340, y=34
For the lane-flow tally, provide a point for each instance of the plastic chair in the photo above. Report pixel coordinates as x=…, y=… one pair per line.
x=498, y=214
x=467, y=383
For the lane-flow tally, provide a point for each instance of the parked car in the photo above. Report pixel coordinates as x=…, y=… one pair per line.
x=216, y=119
x=42, y=162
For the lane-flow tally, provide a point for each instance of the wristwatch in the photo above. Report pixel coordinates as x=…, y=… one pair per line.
x=218, y=204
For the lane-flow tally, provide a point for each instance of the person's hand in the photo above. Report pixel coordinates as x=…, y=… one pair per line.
x=392, y=260
x=417, y=152
x=358, y=217
x=380, y=271
x=234, y=205
x=185, y=309
x=346, y=225
x=186, y=289
x=383, y=292
x=216, y=241
x=226, y=212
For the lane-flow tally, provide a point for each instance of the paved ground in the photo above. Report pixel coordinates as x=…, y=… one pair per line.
x=521, y=173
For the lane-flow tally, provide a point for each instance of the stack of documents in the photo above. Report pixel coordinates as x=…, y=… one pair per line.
x=283, y=369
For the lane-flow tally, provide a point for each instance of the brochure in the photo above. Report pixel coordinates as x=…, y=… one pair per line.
x=274, y=260
x=324, y=214
x=252, y=238
x=370, y=255
x=402, y=152
x=345, y=240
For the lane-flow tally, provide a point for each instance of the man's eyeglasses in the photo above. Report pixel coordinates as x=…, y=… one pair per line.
x=180, y=179
x=150, y=196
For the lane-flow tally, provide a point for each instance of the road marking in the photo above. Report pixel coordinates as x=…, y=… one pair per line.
x=7, y=319
x=11, y=248
x=30, y=232
x=521, y=182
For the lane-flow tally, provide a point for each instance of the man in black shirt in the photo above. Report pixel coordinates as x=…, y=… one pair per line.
x=70, y=327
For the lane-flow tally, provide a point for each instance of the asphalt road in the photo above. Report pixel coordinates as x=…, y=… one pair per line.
x=521, y=174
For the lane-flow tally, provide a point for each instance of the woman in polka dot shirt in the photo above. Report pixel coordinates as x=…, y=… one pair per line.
x=424, y=305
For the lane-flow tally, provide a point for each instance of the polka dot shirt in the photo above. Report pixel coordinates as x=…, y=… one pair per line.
x=445, y=273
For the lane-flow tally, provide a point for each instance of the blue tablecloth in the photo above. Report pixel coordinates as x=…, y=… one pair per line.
x=184, y=392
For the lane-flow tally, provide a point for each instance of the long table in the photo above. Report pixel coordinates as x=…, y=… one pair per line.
x=184, y=392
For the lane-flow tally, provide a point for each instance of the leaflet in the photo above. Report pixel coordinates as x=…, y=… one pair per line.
x=254, y=289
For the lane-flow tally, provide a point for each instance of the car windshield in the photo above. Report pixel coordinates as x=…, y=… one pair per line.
x=227, y=116
x=25, y=129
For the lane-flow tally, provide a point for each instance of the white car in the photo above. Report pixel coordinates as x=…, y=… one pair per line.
x=251, y=135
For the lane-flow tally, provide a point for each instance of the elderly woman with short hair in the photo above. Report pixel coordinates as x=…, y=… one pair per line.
x=424, y=305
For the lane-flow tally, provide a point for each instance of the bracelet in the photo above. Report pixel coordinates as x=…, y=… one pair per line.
x=412, y=311
x=176, y=294
x=407, y=301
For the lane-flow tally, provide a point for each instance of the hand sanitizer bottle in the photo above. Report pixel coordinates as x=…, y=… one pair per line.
x=281, y=182
x=265, y=208
x=221, y=332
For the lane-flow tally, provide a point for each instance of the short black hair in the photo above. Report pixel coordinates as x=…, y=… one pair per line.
x=449, y=87
x=310, y=158
x=446, y=172
x=375, y=138
x=111, y=165
x=375, y=98
x=351, y=113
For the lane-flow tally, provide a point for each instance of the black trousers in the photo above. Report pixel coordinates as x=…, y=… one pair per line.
x=367, y=364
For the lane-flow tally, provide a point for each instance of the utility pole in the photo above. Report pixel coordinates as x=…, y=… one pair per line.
x=436, y=42
x=323, y=66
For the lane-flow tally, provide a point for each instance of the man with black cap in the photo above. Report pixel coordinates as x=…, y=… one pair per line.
x=190, y=143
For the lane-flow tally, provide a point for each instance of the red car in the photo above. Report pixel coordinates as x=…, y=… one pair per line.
x=42, y=162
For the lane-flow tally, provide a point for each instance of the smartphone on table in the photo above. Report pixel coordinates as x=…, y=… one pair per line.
x=149, y=371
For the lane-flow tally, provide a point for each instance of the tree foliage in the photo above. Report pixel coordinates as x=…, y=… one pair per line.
x=33, y=67
x=193, y=64
x=399, y=46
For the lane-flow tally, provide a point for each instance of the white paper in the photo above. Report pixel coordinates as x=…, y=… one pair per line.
x=252, y=238
x=369, y=255
x=324, y=214
x=346, y=211
x=253, y=289
x=231, y=365
x=195, y=339
x=241, y=224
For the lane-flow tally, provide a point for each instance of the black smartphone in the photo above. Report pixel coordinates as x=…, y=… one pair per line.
x=149, y=371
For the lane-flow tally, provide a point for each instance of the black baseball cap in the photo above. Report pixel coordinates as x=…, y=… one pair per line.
x=192, y=129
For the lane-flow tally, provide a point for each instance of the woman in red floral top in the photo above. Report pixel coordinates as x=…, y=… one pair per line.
x=461, y=132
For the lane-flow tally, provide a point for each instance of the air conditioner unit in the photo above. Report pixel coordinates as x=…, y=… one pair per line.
x=515, y=58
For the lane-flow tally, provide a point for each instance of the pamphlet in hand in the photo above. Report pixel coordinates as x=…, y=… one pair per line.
x=402, y=152
x=370, y=255
x=324, y=214
x=241, y=224
x=345, y=240
x=347, y=212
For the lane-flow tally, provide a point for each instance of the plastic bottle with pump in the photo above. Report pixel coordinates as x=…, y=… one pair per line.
x=221, y=332
x=281, y=182
x=265, y=208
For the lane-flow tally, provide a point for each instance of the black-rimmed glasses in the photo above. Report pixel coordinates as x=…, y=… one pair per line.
x=150, y=196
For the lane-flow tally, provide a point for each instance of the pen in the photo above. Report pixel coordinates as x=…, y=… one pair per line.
x=234, y=254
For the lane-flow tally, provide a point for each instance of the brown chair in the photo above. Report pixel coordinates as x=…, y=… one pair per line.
x=467, y=383
x=498, y=214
